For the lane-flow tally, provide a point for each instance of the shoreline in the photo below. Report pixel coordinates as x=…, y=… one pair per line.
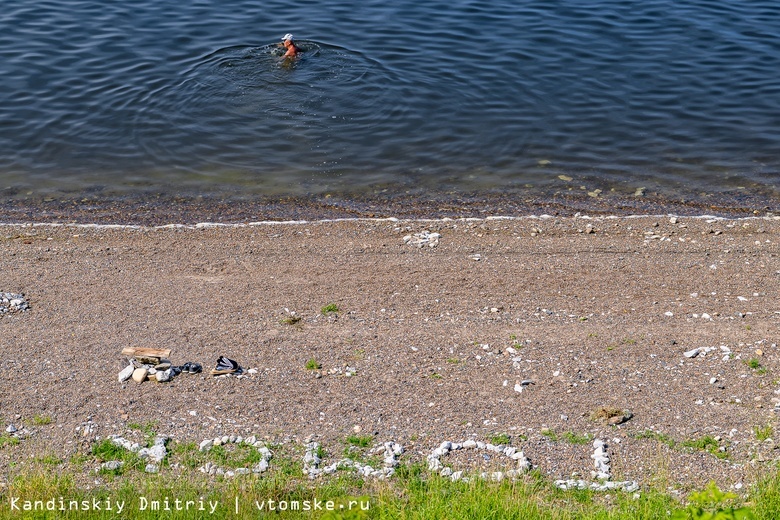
x=160, y=208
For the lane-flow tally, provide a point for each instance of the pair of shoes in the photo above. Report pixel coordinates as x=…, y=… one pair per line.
x=192, y=368
x=225, y=366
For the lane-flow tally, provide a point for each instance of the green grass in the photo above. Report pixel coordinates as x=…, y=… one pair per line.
x=763, y=433
x=330, y=308
x=550, y=434
x=50, y=460
x=755, y=364
x=706, y=443
x=8, y=440
x=500, y=438
x=313, y=364
x=413, y=493
x=361, y=441
x=573, y=438
x=41, y=420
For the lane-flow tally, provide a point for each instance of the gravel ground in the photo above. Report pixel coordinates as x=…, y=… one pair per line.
x=589, y=313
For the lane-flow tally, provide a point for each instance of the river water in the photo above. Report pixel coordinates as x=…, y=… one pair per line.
x=457, y=95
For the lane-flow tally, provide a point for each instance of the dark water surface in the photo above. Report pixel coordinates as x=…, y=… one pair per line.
x=674, y=96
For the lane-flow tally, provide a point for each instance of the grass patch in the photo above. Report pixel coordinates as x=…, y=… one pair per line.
x=706, y=443
x=755, y=364
x=49, y=460
x=313, y=364
x=41, y=420
x=360, y=441
x=573, y=438
x=8, y=440
x=436, y=376
x=550, y=434
x=500, y=438
x=453, y=361
x=330, y=308
x=413, y=493
x=763, y=433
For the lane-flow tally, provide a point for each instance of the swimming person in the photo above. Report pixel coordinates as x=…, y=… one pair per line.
x=289, y=44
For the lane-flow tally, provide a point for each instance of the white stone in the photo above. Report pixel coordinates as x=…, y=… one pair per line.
x=469, y=444
x=692, y=353
x=126, y=373
x=206, y=445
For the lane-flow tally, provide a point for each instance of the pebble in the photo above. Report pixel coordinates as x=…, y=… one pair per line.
x=139, y=375
x=111, y=465
x=11, y=302
x=126, y=373
x=602, y=473
x=424, y=238
x=11, y=429
x=163, y=376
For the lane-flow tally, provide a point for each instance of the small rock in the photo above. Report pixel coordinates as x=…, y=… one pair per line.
x=619, y=419
x=692, y=353
x=140, y=374
x=206, y=445
x=163, y=376
x=11, y=429
x=126, y=373
x=111, y=465
x=152, y=468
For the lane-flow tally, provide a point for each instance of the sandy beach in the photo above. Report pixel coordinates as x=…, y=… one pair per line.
x=579, y=313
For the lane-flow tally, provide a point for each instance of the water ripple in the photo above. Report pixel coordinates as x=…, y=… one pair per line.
x=170, y=92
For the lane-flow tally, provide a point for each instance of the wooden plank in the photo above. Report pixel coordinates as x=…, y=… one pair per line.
x=146, y=352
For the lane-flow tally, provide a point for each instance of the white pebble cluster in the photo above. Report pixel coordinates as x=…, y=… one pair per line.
x=252, y=441
x=389, y=450
x=424, y=238
x=703, y=351
x=434, y=459
x=155, y=454
x=602, y=473
x=11, y=302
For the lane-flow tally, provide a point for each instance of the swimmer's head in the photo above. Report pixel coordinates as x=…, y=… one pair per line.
x=287, y=37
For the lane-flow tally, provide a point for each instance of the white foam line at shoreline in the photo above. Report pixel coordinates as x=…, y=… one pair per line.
x=215, y=225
